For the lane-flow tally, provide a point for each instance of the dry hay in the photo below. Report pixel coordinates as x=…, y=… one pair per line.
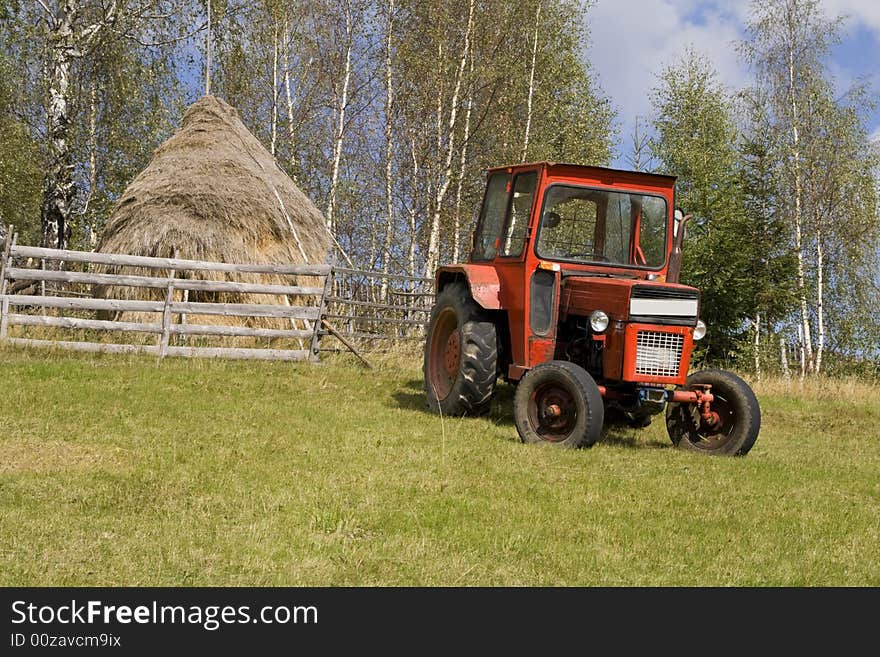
x=213, y=192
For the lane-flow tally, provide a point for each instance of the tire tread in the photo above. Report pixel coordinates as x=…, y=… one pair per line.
x=586, y=388
x=750, y=416
x=475, y=384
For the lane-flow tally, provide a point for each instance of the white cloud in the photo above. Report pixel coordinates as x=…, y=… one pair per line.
x=875, y=135
x=862, y=12
x=632, y=40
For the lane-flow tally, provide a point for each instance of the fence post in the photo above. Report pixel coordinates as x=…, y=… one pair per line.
x=166, y=314
x=11, y=236
x=4, y=259
x=315, y=347
x=4, y=316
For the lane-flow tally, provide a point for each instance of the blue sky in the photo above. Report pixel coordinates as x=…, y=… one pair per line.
x=631, y=40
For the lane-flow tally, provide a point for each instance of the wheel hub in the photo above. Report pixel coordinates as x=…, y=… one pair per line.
x=712, y=423
x=452, y=353
x=553, y=412
x=444, y=357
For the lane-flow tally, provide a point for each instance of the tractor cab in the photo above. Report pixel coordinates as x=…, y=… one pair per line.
x=571, y=293
x=591, y=218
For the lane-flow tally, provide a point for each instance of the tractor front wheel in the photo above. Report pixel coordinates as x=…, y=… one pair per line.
x=735, y=427
x=461, y=354
x=558, y=402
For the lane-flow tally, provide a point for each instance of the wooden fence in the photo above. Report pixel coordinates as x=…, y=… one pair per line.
x=63, y=290
x=369, y=305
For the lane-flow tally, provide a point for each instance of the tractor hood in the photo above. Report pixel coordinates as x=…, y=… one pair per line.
x=628, y=299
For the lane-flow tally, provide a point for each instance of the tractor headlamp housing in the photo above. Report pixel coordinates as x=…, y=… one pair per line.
x=599, y=321
x=700, y=330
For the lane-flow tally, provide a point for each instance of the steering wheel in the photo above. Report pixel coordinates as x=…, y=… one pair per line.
x=591, y=256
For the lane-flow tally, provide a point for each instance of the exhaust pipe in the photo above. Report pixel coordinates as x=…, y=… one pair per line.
x=674, y=270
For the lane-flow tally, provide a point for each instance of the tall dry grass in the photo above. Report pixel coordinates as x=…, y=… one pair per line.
x=817, y=388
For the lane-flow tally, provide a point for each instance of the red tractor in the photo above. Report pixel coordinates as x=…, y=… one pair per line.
x=571, y=292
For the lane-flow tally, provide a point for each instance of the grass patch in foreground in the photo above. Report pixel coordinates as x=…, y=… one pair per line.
x=131, y=471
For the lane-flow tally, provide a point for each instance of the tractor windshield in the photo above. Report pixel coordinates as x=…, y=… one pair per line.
x=596, y=226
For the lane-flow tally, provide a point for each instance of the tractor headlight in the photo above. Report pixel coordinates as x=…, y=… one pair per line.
x=598, y=321
x=700, y=330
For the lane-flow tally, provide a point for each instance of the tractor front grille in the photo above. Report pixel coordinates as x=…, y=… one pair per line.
x=658, y=353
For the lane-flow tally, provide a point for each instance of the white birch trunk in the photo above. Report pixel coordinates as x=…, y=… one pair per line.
x=274, y=142
x=757, y=324
x=90, y=238
x=208, y=39
x=389, y=149
x=340, y=123
x=411, y=256
x=802, y=351
x=372, y=255
x=820, y=294
x=525, y=148
x=411, y=259
x=783, y=359
x=462, y=162
x=285, y=52
x=438, y=132
x=806, y=340
x=433, y=255
x=58, y=191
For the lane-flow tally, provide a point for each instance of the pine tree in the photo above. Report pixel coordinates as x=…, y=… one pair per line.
x=695, y=141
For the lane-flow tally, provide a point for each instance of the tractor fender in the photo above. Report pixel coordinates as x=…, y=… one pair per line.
x=481, y=279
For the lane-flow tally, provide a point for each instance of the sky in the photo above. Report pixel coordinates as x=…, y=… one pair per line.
x=632, y=40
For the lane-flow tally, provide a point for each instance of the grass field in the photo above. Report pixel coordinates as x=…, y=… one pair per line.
x=129, y=471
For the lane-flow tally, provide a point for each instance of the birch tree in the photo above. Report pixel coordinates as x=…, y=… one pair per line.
x=788, y=38
x=340, y=97
x=389, y=146
x=841, y=169
x=823, y=138
x=531, y=93
x=70, y=34
x=445, y=176
x=73, y=31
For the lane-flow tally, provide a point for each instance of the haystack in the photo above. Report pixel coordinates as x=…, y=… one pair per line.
x=213, y=192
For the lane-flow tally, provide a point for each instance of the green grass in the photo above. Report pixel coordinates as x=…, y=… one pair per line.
x=130, y=471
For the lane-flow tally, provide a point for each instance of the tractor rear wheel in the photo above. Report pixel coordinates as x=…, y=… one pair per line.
x=558, y=402
x=461, y=354
x=739, y=417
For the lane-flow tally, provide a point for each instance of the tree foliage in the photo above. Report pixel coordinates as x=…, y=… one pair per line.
x=20, y=172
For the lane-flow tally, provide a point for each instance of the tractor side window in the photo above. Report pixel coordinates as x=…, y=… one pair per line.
x=520, y=210
x=492, y=218
x=652, y=235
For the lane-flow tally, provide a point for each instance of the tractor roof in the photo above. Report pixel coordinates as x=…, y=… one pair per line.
x=554, y=167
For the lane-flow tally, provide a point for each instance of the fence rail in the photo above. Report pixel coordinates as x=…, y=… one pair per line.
x=178, y=308
x=166, y=263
